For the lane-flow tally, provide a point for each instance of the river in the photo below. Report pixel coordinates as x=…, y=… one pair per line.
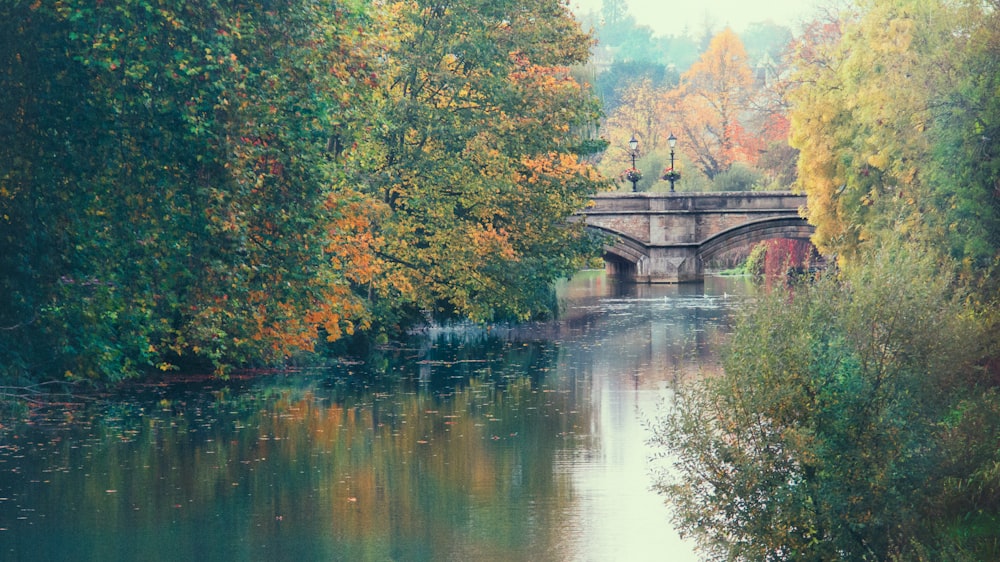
x=520, y=443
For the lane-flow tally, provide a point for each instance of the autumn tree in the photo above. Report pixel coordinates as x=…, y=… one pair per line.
x=766, y=146
x=706, y=107
x=473, y=156
x=723, y=113
x=642, y=115
x=841, y=119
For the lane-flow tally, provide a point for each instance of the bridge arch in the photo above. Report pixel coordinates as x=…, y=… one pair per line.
x=795, y=228
x=624, y=255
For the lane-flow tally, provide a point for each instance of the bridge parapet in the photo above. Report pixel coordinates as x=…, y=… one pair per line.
x=686, y=218
x=692, y=202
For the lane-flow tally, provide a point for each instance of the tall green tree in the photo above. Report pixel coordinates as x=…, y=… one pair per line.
x=612, y=84
x=166, y=190
x=966, y=150
x=614, y=12
x=473, y=155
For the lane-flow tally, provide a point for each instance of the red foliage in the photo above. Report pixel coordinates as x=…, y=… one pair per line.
x=784, y=256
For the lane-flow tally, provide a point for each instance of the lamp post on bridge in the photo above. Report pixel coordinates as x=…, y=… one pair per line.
x=633, y=177
x=672, y=140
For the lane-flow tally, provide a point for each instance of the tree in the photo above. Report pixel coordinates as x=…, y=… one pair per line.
x=166, y=189
x=681, y=51
x=857, y=418
x=767, y=147
x=776, y=158
x=472, y=156
x=966, y=151
x=891, y=121
x=765, y=39
x=614, y=12
x=641, y=114
x=619, y=38
x=707, y=106
x=612, y=84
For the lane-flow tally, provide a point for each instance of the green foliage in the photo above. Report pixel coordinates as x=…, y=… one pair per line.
x=589, y=147
x=217, y=185
x=623, y=40
x=739, y=177
x=612, y=83
x=967, y=154
x=165, y=187
x=651, y=166
x=618, y=32
x=842, y=427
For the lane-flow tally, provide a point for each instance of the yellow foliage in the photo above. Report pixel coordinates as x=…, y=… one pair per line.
x=860, y=118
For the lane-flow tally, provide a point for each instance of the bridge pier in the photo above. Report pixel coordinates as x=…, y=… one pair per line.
x=677, y=264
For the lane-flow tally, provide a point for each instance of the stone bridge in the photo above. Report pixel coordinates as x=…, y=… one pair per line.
x=667, y=237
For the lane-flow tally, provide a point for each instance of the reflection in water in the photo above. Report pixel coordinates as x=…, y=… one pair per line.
x=507, y=444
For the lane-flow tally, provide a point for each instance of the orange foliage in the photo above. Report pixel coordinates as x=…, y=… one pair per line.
x=713, y=92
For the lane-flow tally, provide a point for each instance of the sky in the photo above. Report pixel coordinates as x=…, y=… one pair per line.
x=669, y=17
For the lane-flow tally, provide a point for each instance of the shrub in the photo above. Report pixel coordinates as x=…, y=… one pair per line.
x=739, y=177
x=833, y=432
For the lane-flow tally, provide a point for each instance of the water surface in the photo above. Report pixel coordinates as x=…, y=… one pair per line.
x=465, y=444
